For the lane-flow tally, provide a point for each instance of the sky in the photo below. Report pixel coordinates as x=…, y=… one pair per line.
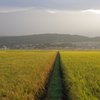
x=28, y=17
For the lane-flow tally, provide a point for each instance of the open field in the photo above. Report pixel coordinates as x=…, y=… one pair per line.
x=24, y=73
x=49, y=75
x=81, y=70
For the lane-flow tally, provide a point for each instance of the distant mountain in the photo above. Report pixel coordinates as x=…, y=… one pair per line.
x=44, y=38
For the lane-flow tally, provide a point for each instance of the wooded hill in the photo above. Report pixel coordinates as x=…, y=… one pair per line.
x=44, y=38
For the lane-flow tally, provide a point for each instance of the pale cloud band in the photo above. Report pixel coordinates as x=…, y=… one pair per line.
x=48, y=10
x=92, y=11
x=15, y=10
x=25, y=9
x=50, y=5
x=53, y=4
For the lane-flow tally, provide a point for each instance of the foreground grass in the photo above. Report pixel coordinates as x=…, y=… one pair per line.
x=55, y=91
x=24, y=73
x=81, y=71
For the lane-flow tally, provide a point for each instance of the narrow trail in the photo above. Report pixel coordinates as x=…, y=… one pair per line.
x=56, y=88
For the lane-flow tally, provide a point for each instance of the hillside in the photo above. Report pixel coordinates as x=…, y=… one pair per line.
x=44, y=38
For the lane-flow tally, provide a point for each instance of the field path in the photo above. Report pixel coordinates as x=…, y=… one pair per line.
x=56, y=88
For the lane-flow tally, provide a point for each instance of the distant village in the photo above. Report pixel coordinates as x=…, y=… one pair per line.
x=53, y=46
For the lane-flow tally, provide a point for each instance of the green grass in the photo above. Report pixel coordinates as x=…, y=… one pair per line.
x=55, y=91
x=24, y=73
x=81, y=71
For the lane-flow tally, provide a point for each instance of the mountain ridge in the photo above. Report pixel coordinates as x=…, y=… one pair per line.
x=45, y=38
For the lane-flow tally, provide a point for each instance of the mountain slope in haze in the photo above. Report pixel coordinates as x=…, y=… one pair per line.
x=44, y=38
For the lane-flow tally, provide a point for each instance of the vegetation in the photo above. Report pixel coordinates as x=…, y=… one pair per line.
x=81, y=70
x=24, y=74
x=30, y=74
x=43, y=38
x=55, y=91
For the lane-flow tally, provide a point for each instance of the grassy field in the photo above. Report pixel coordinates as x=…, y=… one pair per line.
x=81, y=71
x=32, y=75
x=24, y=73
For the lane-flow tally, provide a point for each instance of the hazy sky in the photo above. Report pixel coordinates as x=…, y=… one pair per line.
x=26, y=17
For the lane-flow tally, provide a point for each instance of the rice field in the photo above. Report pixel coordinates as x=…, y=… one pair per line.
x=81, y=70
x=49, y=75
x=24, y=73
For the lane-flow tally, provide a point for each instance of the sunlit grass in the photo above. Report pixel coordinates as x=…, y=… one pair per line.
x=24, y=73
x=81, y=74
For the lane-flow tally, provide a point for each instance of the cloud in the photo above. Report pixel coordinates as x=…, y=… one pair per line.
x=53, y=4
x=25, y=9
x=92, y=11
x=50, y=11
x=15, y=10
